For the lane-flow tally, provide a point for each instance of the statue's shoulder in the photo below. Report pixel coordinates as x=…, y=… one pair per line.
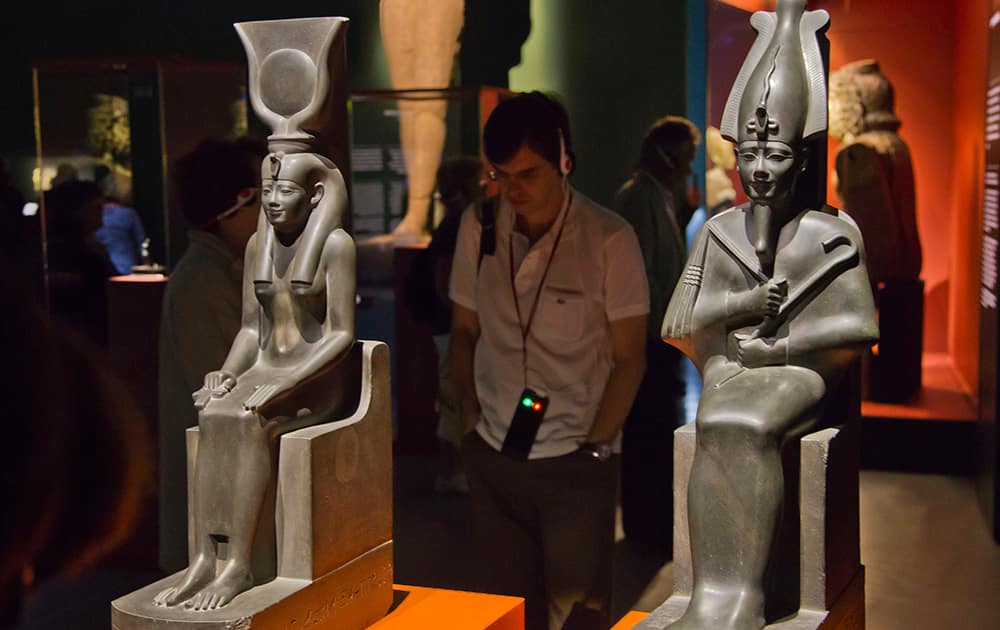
x=831, y=222
x=730, y=219
x=338, y=242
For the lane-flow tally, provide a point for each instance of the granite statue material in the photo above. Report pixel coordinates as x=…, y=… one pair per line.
x=773, y=307
x=279, y=535
x=874, y=171
x=298, y=317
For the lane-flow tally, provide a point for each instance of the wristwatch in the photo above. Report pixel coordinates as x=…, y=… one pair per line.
x=600, y=452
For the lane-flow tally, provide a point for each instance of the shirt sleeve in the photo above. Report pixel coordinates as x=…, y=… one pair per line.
x=464, y=267
x=626, y=292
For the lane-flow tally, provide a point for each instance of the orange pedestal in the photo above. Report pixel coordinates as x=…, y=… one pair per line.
x=628, y=621
x=438, y=609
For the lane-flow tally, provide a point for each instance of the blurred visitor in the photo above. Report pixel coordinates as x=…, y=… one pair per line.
x=76, y=466
x=655, y=202
x=121, y=230
x=460, y=184
x=65, y=173
x=77, y=264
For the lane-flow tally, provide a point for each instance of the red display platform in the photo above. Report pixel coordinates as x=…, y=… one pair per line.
x=628, y=621
x=439, y=609
x=943, y=397
x=933, y=433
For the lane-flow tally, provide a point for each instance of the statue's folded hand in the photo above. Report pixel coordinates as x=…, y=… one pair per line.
x=216, y=385
x=755, y=352
x=764, y=300
x=264, y=393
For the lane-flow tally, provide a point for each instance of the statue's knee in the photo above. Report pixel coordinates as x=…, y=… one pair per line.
x=724, y=433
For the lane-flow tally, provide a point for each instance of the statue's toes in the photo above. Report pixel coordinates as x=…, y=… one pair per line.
x=164, y=597
x=195, y=602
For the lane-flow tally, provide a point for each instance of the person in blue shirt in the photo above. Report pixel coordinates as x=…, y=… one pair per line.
x=121, y=230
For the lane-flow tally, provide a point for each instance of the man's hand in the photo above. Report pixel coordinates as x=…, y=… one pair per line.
x=753, y=352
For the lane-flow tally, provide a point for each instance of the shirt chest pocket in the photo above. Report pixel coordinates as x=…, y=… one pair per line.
x=561, y=314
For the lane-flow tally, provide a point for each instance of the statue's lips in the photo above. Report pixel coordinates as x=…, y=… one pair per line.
x=274, y=214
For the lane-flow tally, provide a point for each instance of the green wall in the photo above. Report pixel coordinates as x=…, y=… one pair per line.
x=617, y=66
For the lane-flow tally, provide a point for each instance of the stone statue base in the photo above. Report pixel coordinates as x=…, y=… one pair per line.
x=831, y=578
x=332, y=522
x=353, y=596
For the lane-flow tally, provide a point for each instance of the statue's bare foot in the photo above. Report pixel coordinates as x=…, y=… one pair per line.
x=722, y=610
x=233, y=580
x=200, y=573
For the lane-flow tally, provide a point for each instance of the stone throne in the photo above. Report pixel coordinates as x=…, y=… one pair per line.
x=290, y=467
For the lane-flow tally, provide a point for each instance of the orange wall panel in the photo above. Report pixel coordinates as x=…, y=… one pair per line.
x=913, y=40
x=970, y=70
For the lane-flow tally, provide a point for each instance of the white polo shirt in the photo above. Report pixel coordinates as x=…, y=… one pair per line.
x=596, y=277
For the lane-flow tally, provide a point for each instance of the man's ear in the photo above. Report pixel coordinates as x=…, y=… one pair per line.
x=317, y=196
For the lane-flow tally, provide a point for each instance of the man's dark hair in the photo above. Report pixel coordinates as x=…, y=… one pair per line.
x=669, y=134
x=209, y=178
x=533, y=119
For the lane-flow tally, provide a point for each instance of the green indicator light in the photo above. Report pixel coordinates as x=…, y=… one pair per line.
x=527, y=402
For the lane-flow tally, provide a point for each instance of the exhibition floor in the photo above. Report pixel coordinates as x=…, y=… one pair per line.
x=929, y=559
x=930, y=563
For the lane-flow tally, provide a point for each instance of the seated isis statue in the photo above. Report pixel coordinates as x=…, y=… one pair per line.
x=874, y=172
x=774, y=305
x=298, y=322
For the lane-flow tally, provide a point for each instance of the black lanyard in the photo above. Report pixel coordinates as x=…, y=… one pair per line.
x=526, y=329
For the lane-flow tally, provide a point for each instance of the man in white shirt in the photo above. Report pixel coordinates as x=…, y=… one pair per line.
x=548, y=349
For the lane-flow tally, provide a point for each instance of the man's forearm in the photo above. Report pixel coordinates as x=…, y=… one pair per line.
x=460, y=364
x=617, y=400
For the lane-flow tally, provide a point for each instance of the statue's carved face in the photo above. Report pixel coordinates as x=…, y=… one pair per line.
x=768, y=169
x=286, y=204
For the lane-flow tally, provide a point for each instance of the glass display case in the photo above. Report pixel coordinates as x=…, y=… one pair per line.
x=131, y=118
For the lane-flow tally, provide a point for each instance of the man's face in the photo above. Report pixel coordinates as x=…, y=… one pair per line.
x=768, y=170
x=529, y=182
x=286, y=204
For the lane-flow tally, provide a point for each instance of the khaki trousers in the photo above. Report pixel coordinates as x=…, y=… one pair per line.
x=545, y=532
